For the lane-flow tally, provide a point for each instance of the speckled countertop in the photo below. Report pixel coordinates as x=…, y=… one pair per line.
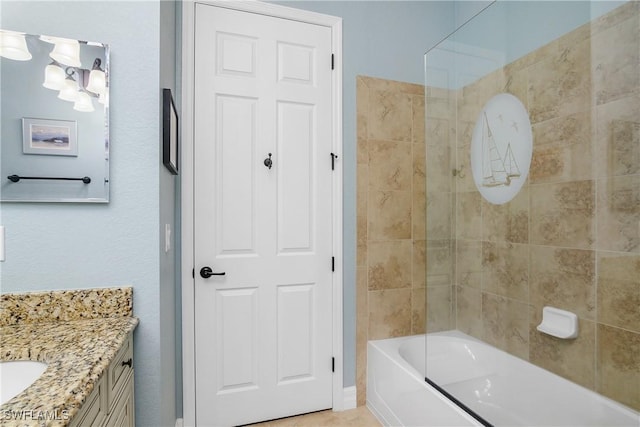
x=77, y=336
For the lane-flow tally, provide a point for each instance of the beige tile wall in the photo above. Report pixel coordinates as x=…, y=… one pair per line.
x=390, y=215
x=571, y=238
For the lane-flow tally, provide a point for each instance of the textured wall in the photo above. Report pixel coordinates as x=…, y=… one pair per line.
x=570, y=239
x=390, y=214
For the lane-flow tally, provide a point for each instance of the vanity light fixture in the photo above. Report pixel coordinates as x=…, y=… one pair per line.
x=66, y=51
x=80, y=85
x=53, y=76
x=97, y=78
x=13, y=45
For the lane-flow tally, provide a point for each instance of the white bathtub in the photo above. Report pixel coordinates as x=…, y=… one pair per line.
x=503, y=389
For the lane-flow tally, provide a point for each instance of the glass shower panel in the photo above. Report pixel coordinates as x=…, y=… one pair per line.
x=564, y=76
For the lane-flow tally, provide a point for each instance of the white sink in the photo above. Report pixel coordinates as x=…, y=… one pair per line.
x=15, y=376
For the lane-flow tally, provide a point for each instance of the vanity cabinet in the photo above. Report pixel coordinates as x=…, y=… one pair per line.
x=111, y=402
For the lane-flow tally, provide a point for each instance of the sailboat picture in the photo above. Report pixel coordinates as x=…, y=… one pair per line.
x=496, y=169
x=501, y=148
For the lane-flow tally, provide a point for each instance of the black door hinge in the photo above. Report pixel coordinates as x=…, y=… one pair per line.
x=333, y=263
x=332, y=61
x=333, y=160
x=193, y=273
x=333, y=364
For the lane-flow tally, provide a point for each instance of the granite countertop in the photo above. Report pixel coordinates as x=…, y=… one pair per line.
x=77, y=351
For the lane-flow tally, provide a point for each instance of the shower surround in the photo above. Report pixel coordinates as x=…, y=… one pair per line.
x=571, y=237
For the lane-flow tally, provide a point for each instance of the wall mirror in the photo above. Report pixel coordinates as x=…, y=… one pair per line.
x=54, y=113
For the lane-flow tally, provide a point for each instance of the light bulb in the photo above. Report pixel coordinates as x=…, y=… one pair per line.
x=13, y=45
x=53, y=76
x=96, y=81
x=83, y=103
x=69, y=91
x=66, y=51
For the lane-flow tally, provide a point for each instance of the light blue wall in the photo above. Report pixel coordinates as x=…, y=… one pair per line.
x=506, y=31
x=70, y=246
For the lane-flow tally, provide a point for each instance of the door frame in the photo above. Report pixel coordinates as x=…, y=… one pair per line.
x=187, y=186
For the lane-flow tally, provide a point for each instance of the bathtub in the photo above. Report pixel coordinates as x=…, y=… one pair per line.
x=503, y=389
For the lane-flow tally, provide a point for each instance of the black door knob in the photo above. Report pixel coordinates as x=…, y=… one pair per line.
x=206, y=272
x=268, y=162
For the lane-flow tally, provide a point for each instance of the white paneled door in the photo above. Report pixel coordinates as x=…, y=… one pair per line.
x=263, y=217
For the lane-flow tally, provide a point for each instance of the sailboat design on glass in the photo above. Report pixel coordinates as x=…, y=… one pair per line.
x=496, y=170
x=501, y=148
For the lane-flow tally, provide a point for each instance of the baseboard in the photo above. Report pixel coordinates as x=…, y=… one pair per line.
x=179, y=422
x=349, y=397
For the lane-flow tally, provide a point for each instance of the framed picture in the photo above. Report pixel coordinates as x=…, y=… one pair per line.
x=49, y=137
x=170, y=145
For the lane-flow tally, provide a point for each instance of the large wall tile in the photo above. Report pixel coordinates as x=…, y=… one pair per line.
x=563, y=278
x=560, y=84
x=619, y=365
x=390, y=264
x=616, y=54
x=390, y=116
x=437, y=131
x=562, y=149
x=617, y=140
x=468, y=215
x=619, y=214
x=389, y=214
x=506, y=270
x=563, y=214
x=390, y=165
x=505, y=324
x=389, y=313
x=619, y=290
x=508, y=222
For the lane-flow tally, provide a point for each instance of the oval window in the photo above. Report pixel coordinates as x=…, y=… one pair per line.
x=501, y=148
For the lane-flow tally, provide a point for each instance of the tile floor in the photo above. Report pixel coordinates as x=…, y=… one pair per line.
x=359, y=417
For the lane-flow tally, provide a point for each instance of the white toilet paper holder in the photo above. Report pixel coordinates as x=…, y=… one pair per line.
x=559, y=323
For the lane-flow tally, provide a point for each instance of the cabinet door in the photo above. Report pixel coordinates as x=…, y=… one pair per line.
x=120, y=369
x=94, y=409
x=122, y=412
